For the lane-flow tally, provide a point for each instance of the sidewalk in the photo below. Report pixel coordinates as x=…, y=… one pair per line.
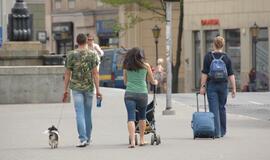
x=21, y=134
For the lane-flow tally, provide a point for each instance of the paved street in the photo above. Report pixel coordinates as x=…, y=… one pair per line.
x=248, y=135
x=255, y=105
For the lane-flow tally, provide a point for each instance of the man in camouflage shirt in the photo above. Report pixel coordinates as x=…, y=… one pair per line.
x=81, y=76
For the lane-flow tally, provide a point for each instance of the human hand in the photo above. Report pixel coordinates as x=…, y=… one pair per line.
x=99, y=95
x=155, y=82
x=65, y=97
x=202, y=90
x=233, y=93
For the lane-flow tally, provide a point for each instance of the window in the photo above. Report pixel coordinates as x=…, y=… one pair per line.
x=197, y=62
x=57, y=4
x=209, y=37
x=262, y=64
x=232, y=47
x=71, y=4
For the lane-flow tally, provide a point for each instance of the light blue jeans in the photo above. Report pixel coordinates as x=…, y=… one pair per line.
x=83, y=107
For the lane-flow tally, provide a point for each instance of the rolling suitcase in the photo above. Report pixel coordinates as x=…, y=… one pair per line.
x=203, y=122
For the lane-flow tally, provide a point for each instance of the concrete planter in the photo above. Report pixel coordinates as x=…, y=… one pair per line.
x=31, y=84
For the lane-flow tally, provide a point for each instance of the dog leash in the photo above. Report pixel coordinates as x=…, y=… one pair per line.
x=61, y=115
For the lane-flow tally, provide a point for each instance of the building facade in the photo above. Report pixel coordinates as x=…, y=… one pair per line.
x=70, y=17
x=237, y=21
x=140, y=35
x=62, y=20
x=5, y=9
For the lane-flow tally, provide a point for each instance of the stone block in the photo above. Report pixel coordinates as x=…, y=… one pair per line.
x=23, y=45
x=22, y=54
x=31, y=84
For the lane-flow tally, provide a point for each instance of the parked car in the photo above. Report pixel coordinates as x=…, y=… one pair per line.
x=111, y=71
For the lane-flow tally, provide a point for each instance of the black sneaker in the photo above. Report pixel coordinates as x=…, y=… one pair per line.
x=82, y=144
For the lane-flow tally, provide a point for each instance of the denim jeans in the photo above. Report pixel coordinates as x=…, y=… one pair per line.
x=136, y=102
x=217, y=99
x=83, y=107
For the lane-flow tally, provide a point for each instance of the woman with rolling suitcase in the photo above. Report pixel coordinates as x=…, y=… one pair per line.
x=217, y=70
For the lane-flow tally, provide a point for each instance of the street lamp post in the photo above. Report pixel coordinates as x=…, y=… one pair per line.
x=254, y=31
x=156, y=34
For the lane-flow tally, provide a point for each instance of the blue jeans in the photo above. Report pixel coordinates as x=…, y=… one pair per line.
x=83, y=107
x=136, y=102
x=217, y=99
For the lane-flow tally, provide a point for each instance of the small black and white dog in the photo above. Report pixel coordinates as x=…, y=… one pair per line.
x=53, y=136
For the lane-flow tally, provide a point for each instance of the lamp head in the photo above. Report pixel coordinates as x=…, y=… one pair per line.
x=156, y=32
x=255, y=30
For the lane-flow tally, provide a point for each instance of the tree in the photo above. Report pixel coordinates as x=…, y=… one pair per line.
x=176, y=67
x=160, y=12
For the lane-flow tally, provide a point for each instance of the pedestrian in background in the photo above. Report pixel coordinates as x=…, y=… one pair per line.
x=94, y=46
x=217, y=90
x=160, y=76
x=252, y=80
x=136, y=71
x=80, y=76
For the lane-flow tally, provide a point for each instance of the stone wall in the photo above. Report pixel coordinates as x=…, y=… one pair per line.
x=31, y=84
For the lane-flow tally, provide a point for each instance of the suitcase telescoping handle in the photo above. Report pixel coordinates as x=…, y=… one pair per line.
x=155, y=92
x=197, y=94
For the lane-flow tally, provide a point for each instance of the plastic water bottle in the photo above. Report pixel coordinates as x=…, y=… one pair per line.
x=99, y=102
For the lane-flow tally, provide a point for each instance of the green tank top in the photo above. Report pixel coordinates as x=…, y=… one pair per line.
x=136, y=81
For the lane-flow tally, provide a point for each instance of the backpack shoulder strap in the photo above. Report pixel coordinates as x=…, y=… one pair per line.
x=213, y=55
x=221, y=57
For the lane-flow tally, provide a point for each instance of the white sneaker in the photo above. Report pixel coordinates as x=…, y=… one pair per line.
x=89, y=142
x=82, y=144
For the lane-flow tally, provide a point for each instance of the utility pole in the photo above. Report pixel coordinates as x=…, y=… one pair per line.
x=1, y=23
x=168, y=110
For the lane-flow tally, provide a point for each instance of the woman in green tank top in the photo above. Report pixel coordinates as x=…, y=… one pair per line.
x=136, y=72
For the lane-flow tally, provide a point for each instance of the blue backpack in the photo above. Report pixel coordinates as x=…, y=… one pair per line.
x=218, y=71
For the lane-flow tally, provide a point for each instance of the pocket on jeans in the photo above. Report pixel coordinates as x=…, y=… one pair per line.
x=128, y=95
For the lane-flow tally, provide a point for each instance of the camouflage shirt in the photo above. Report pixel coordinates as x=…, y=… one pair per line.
x=81, y=62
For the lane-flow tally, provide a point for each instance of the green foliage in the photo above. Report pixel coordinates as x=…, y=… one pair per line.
x=142, y=3
x=160, y=14
x=133, y=19
x=118, y=2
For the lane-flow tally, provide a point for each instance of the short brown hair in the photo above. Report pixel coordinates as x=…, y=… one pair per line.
x=219, y=42
x=81, y=39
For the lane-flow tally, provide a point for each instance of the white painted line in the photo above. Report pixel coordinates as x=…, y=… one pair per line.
x=253, y=102
x=183, y=104
x=248, y=117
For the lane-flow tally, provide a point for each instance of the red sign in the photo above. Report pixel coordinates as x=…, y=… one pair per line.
x=207, y=22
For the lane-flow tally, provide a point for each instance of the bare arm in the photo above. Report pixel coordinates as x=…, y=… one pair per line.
x=66, y=84
x=95, y=75
x=203, y=83
x=150, y=76
x=233, y=84
x=66, y=80
x=125, y=76
x=99, y=50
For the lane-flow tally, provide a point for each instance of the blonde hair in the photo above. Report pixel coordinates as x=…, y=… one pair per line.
x=219, y=42
x=160, y=61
